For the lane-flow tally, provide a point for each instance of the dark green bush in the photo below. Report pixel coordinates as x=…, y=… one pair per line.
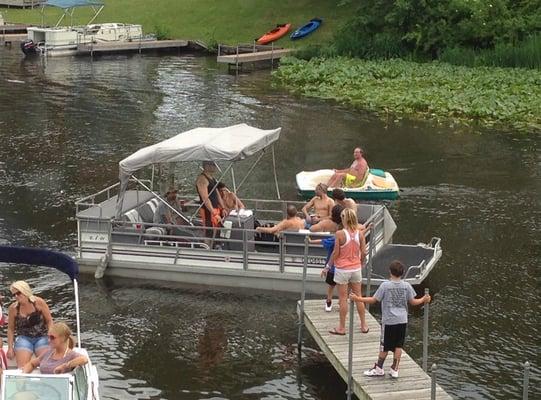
x=426, y=29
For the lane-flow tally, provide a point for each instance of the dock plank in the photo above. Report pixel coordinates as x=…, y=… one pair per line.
x=131, y=46
x=413, y=382
x=253, y=57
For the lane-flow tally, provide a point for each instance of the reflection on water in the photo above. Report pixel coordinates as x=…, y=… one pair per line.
x=65, y=124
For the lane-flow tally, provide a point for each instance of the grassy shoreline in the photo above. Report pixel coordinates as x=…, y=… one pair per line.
x=230, y=22
x=505, y=98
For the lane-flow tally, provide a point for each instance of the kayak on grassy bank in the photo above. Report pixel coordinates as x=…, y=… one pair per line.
x=508, y=98
x=274, y=34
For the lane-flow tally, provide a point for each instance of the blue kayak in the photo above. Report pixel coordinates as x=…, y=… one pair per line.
x=307, y=29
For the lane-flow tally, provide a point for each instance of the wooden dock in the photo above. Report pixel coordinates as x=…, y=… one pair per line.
x=138, y=46
x=267, y=55
x=413, y=383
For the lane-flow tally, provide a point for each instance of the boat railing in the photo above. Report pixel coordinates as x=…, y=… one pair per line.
x=233, y=241
x=105, y=194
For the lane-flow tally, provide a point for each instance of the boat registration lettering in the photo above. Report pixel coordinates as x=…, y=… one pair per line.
x=94, y=237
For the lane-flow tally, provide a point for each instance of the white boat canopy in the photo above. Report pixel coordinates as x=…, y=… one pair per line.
x=232, y=143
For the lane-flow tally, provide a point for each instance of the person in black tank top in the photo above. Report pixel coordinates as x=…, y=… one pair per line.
x=212, y=210
x=29, y=320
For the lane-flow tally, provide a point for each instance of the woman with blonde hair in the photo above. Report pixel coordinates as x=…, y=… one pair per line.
x=29, y=318
x=348, y=255
x=60, y=358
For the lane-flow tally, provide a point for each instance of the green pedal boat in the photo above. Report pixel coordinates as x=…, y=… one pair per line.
x=379, y=185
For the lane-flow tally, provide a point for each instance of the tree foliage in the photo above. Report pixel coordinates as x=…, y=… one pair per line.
x=426, y=28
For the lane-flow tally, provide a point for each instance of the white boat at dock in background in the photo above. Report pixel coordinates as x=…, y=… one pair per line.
x=80, y=384
x=65, y=40
x=116, y=234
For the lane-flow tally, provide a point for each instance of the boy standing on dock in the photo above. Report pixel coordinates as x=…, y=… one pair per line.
x=394, y=295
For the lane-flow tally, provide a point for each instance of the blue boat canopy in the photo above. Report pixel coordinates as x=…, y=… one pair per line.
x=73, y=3
x=40, y=257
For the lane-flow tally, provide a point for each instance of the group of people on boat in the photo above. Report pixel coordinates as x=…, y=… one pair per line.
x=34, y=339
x=216, y=200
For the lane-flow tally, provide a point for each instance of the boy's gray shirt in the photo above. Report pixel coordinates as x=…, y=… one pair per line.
x=394, y=297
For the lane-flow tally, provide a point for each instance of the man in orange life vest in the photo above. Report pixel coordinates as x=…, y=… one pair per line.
x=212, y=209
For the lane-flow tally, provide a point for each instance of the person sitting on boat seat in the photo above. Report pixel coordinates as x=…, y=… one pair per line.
x=291, y=223
x=165, y=212
x=29, y=318
x=351, y=177
x=230, y=199
x=60, y=358
x=212, y=209
x=321, y=204
x=339, y=197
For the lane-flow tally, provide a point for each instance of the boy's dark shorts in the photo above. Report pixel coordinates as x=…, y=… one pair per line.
x=329, y=279
x=393, y=336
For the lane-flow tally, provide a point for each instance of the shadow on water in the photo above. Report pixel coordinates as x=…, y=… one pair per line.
x=65, y=124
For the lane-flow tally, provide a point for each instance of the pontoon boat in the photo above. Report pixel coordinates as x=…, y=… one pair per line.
x=116, y=234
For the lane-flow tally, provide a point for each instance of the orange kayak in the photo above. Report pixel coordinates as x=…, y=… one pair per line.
x=275, y=34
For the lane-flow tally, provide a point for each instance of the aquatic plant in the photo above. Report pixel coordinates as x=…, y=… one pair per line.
x=503, y=97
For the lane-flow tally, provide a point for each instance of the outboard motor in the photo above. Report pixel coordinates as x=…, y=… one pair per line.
x=29, y=47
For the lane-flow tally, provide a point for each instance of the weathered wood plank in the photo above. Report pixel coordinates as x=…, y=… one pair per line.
x=253, y=57
x=413, y=382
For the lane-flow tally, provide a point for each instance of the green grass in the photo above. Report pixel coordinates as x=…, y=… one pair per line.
x=526, y=54
x=226, y=21
x=508, y=98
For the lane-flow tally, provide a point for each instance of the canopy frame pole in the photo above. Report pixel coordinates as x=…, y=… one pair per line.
x=189, y=221
x=251, y=169
x=212, y=190
x=233, y=180
x=96, y=13
x=275, y=175
x=152, y=178
x=77, y=315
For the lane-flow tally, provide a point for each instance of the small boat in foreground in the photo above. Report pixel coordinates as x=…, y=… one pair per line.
x=274, y=34
x=379, y=185
x=306, y=29
x=83, y=382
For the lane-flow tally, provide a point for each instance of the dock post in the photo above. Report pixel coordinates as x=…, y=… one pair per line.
x=244, y=250
x=369, y=268
x=281, y=251
x=237, y=61
x=303, y=295
x=433, y=382
x=426, y=308
x=350, y=349
x=526, y=381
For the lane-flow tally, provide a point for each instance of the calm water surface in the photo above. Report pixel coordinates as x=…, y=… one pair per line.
x=66, y=123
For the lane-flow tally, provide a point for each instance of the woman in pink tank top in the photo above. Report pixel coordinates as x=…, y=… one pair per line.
x=349, y=251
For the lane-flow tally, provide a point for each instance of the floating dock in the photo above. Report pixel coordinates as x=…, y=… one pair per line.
x=139, y=46
x=237, y=56
x=412, y=384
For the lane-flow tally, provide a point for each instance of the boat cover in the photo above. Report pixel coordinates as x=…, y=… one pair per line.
x=231, y=143
x=40, y=257
x=73, y=3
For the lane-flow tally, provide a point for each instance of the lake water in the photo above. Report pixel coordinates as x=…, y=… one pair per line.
x=65, y=124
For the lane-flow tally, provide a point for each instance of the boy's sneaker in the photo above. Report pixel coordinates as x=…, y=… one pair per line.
x=393, y=373
x=374, y=371
x=328, y=306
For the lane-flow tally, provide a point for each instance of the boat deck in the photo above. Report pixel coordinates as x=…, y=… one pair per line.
x=413, y=382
